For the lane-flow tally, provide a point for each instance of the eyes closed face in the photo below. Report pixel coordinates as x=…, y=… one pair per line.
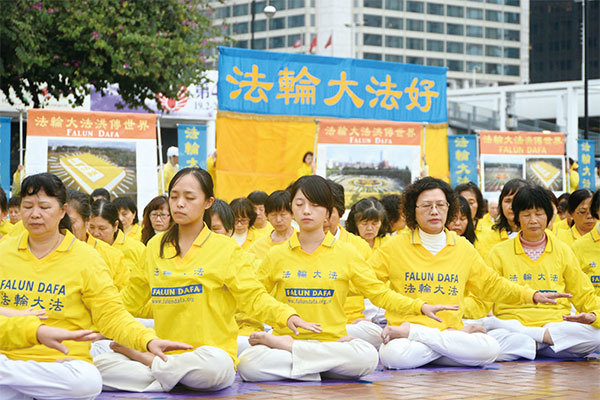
x=187, y=201
x=310, y=216
x=41, y=213
x=368, y=229
x=102, y=229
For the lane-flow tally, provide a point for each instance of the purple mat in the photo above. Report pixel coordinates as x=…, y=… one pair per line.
x=238, y=388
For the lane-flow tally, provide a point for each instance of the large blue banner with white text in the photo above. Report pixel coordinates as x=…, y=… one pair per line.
x=587, y=170
x=191, y=141
x=462, y=153
x=5, y=154
x=262, y=82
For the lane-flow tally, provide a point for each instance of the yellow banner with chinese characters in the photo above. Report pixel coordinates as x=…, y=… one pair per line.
x=259, y=153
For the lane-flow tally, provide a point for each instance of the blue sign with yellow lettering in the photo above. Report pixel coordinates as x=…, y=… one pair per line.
x=587, y=172
x=462, y=153
x=191, y=141
x=262, y=82
x=5, y=154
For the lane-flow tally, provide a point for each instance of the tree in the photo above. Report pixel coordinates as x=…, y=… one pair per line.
x=61, y=47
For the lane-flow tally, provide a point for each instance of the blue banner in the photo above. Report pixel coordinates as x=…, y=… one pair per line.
x=5, y=154
x=587, y=171
x=462, y=153
x=262, y=82
x=191, y=140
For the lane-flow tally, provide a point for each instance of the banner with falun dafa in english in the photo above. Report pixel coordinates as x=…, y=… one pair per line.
x=537, y=157
x=91, y=150
x=191, y=141
x=462, y=154
x=263, y=82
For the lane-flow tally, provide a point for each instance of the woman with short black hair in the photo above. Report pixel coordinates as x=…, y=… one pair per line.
x=580, y=210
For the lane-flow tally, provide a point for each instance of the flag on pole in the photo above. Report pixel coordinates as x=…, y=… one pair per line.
x=297, y=43
x=329, y=41
x=313, y=44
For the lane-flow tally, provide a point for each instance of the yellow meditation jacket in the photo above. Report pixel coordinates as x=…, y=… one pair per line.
x=134, y=232
x=18, y=332
x=113, y=257
x=317, y=284
x=5, y=227
x=194, y=297
x=487, y=239
x=442, y=278
x=133, y=250
x=569, y=236
x=587, y=251
x=74, y=286
x=557, y=270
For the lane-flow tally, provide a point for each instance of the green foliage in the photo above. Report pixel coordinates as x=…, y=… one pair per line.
x=144, y=46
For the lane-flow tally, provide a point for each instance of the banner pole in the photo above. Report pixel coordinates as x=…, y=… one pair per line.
x=479, y=166
x=21, y=173
x=160, y=157
x=315, y=146
x=424, y=168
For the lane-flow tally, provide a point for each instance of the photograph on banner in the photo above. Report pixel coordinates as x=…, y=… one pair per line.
x=534, y=156
x=91, y=150
x=369, y=158
x=85, y=165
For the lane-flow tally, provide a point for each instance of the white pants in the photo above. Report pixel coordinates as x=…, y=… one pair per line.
x=571, y=339
x=374, y=313
x=205, y=368
x=309, y=361
x=48, y=380
x=367, y=331
x=448, y=347
x=243, y=344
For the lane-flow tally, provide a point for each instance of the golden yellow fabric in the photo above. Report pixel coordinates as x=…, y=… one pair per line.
x=73, y=284
x=5, y=227
x=587, y=251
x=169, y=172
x=436, y=151
x=486, y=240
x=251, y=238
x=211, y=168
x=113, y=257
x=562, y=224
x=18, y=332
x=17, y=229
x=132, y=250
x=485, y=222
x=264, y=231
x=304, y=170
x=443, y=278
x=557, y=270
x=260, y=154
x=569, y=236
x=134, y=232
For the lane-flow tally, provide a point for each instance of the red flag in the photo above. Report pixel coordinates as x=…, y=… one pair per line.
x=329, y=41
x=313, y=44
x=297, y=43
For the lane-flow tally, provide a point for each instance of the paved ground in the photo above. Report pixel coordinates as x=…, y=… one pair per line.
x=515, y=380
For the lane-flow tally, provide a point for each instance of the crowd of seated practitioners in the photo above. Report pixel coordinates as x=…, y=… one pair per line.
x=278, y=286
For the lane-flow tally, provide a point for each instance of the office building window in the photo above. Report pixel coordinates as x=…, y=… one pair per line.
x=455, y=11
x=474, y=13
x=454, y=47
x=435, y=9
x=513, y=70
x=414, y=44
x=493, y=15
x=260, y=44
x=370, y=39
x=435, y=45
x=373, y=3
x=414, y=6
x=242, y=44
x=477, y=66
x=278, y=4
x=455, y=65
x=240, y=9
x=511, y=52
x=277, y=23
x=435, y=27
x=510, y=34
x=372, y=56
x=260, y=25
x=414, y=60
x=492, y=69
x=474, y=31
x=223, y=12
x=394, y=41
x=294, y=4
x=394, y=5
x=435, y=62
x=515, y=3
x=394, y=58
x=312, y=19
x=295, y=21
x=372, y=20
x=414, y=25
x=493, y=51
x=474, y=49
x=512, y=18
x=239, y=28
x=393, y=23
x=454, y=29
x=292, y=39
x=494, y=1
x=493, y=33
x=277, y=42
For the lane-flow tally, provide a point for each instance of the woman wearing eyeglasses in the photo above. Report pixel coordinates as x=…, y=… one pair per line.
x=157, y=218
x=437, y=266
x=587, y=249
x=583, y=221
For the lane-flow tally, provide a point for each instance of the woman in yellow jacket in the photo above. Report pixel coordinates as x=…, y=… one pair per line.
x=581, y=212
x=312, y=271
x=536, y=259
x=368, y=220
x=195, y=279
x=47, y=268
x=587, y=249
x=308, y=165
x=128, y=215
x=245, y=216
x=106, y=226
x=435, y=265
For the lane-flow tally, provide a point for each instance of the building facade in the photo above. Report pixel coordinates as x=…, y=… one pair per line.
x=481, y=42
